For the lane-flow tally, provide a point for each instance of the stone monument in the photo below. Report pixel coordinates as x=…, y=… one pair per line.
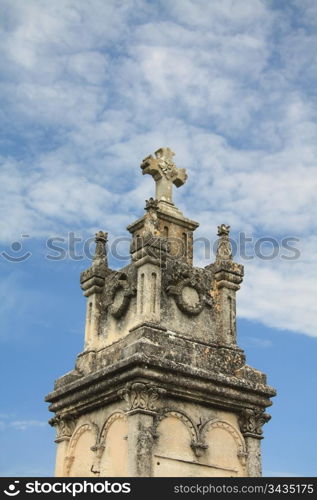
x=161, y=387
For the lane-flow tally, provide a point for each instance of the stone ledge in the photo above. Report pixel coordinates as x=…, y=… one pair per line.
x=194, y=385
x=169, y=345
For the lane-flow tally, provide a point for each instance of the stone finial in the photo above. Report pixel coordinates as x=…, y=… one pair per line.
x=100, y=252
x=223, y=230
x=164, y=172
x=151, y=223
x=151, y=204
x=92, y=279
x=101, y=236
x=224, y=249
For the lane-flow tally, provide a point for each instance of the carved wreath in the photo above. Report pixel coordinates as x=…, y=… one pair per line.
x=177, y=292
x=180, y=275
x=128, y=292
x=119, y=281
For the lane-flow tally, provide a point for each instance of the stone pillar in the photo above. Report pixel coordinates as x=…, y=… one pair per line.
x=61, y=452
x=92, y=282
x=251, y=421
x=226, y=299
x=92, y=321
x=64, y=428
x=149, y=256
x=140, y=443
x=148, y=290
x=141, y=399
x=228, y=276
x=254, y=462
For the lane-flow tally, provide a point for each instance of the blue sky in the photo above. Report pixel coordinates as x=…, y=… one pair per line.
x=88, y=89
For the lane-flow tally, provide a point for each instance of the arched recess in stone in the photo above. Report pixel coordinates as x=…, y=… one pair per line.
x=226, y=448
x=173, y=447
x=113, y=440
x=79, y=459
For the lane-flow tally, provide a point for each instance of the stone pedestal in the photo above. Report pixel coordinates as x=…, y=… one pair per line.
x=161, y=387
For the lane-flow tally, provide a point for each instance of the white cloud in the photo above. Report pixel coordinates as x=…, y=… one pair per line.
x=89, y=66
x=90, y=88
x=23, y=425
x=280, y=295
x=259, y=342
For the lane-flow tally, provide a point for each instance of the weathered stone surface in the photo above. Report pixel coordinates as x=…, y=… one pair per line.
x=161, y=387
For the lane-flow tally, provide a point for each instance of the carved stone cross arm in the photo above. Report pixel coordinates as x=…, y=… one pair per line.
x=164, y=172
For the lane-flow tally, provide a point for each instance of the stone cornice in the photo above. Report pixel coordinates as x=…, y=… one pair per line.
x=195, y=385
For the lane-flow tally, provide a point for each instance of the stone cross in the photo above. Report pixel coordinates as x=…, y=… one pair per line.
x=164, y=172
